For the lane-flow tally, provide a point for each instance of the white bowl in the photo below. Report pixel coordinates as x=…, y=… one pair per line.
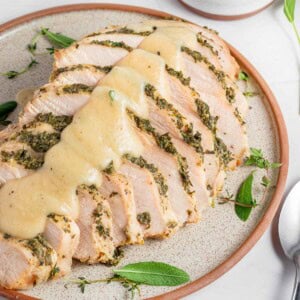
x=227, y=9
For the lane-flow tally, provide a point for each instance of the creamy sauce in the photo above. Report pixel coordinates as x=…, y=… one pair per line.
x=99, y=134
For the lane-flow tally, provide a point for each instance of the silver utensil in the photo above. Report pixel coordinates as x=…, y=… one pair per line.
x=289, y=233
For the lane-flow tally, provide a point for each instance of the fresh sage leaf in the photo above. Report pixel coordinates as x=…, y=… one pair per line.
x=6, y=108
x=244, y=196
x=57, y=39
x=3, y=117
x=289, y=9
x=153, y=273
x=133, y=275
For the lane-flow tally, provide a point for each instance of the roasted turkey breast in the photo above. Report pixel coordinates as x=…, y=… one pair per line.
x=178, y=83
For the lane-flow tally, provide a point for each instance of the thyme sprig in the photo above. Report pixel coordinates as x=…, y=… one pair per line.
x=33, y=44
x=130, y=285
x=230, y=198
x=12, y=74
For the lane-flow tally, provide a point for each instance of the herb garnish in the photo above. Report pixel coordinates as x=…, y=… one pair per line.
x=112, y=96
x=33, y=45
x=289, y=11
x=244, y=196
x=5, y=109
x=243, y=76
x=244, y=201
x=54, y=271
x=12, y=74
x=144, y=218
x=57, y=39
x=113, y=44
x=50, y=50
x=22, y=157
x=250, y=94
x=265, y=181
x=133, y=275
x=257, y=159
x=109, y=169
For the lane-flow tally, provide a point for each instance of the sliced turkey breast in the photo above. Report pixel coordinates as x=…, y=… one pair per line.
x=153, y=211
x=162, y=123
x=132, y=40
x=183, y=100
x=25, y=263
x=83, y=74
x=213, y=42
x=88, y=53
x=162, y=153
x=62, y=234
x=191, y=129
x=22, y=150
x=211, y=84
x=208, y=40
x=230, y=129
x=37, y=260
x=216, y=52
x=118, y=191
x=16, y=160
x=58, y=100
x=96, y=243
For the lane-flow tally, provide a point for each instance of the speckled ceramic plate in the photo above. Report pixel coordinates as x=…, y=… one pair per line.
x=206, y=250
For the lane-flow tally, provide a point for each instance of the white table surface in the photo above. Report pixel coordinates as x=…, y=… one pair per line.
x=268, y=42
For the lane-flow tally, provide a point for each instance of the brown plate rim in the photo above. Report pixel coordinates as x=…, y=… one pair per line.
x=224, y=17
x=282, y=136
